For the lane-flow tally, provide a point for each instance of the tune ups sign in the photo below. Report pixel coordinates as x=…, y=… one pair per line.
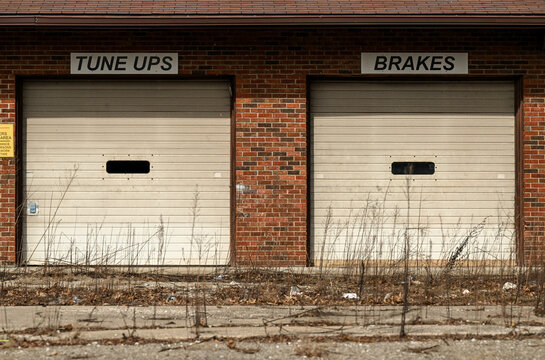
x=414, y=63
x=123, y=63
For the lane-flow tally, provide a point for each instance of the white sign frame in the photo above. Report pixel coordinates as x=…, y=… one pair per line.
x=414, y=63
x=124, y=63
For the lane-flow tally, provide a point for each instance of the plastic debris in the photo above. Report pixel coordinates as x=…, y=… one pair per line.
x=351, y=296
x=234, y=283
x=465, y=292
x=295, y=291
x=172, y=298
x=387, y=297
x=219, y=277
x=509, y=286
x=76, y=300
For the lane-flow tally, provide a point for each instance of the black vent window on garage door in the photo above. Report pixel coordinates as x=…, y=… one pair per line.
x=127, y=167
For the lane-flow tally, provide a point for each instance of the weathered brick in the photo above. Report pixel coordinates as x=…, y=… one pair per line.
x=270, y=70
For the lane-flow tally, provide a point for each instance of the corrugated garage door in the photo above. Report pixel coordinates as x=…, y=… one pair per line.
x=87, y=148
x=462, y=131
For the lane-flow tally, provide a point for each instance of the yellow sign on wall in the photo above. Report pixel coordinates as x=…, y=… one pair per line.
x=6, y=140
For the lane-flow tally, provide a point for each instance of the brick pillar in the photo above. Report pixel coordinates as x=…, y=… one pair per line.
x=534, y=177
x=7, y=175
x=271, y=170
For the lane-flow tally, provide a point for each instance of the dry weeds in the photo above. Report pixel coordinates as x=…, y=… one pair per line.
x=252, y=287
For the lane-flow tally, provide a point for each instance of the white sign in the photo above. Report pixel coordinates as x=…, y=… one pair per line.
x=414, y=63
x=124, y=63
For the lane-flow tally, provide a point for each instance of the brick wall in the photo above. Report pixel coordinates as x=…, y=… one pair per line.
x=270, y=68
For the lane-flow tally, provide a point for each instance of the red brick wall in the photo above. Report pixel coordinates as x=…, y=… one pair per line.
x=270, y=68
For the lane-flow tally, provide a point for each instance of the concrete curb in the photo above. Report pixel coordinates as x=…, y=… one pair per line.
x=176, y=323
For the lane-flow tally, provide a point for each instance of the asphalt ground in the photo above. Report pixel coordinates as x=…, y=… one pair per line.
x=270, y=332
x=298, y=349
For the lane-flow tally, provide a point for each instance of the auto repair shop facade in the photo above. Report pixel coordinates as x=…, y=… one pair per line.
x=280, y=145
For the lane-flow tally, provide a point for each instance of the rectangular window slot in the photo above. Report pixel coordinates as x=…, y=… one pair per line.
x=413, y=168
x=127, y=167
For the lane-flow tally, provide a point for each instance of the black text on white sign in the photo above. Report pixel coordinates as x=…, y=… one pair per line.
x=124, y=63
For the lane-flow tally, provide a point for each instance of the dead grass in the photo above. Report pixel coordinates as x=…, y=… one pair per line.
x=311, y=350
x=423, y=349
x=231, y=344
x=23, y=343
x=255, y=286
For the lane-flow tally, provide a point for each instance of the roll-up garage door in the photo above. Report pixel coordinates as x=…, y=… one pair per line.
x=127, y=172
x=433, y=162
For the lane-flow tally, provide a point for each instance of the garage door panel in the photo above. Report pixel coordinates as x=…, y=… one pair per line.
x=157, y=169
x=447, y=239
x=428, y=194
x=82, y=193
x=348, y=131
x=134, y=137
x=67, y=233
x=157, y=149
x=424, y=205
x=413, y=93
x=74, y=127
x=432, y=192
x=48, y=123
x=210, y=112
x=400, y=184
x=133, y=93
x=411, y=104
x=39, y=158
x=69, y=203
x=456, y=211
x=401, y=87
x=439, y=247
x=136, y=251
x=407, y=138
x=442, y=169
x=457, y=147
x=178, y=174
x=410, y=108
x=457, y=154
x=112, y=144
x=135, y=129
x=58, y=183
x=359, y=197
x=420, y=119
x=459, y=224
x=146, y=85
x=379, y=175
x=109, y=109
x=379, y=160
x=82, y=216
x=127, y=103
x=119, y=221
x=360, y=128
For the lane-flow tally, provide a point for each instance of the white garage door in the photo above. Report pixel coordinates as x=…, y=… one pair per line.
x=127, y=172
x=433, y=160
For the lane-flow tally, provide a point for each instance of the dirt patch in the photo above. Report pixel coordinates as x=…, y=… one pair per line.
x=233, y=343
x=258, y=287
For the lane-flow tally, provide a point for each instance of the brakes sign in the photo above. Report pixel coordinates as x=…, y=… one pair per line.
x=414, y=63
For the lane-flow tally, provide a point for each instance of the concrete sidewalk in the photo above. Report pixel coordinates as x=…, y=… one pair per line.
x=177, y=323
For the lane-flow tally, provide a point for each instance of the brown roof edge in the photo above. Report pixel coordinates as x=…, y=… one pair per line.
x=267, y=20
